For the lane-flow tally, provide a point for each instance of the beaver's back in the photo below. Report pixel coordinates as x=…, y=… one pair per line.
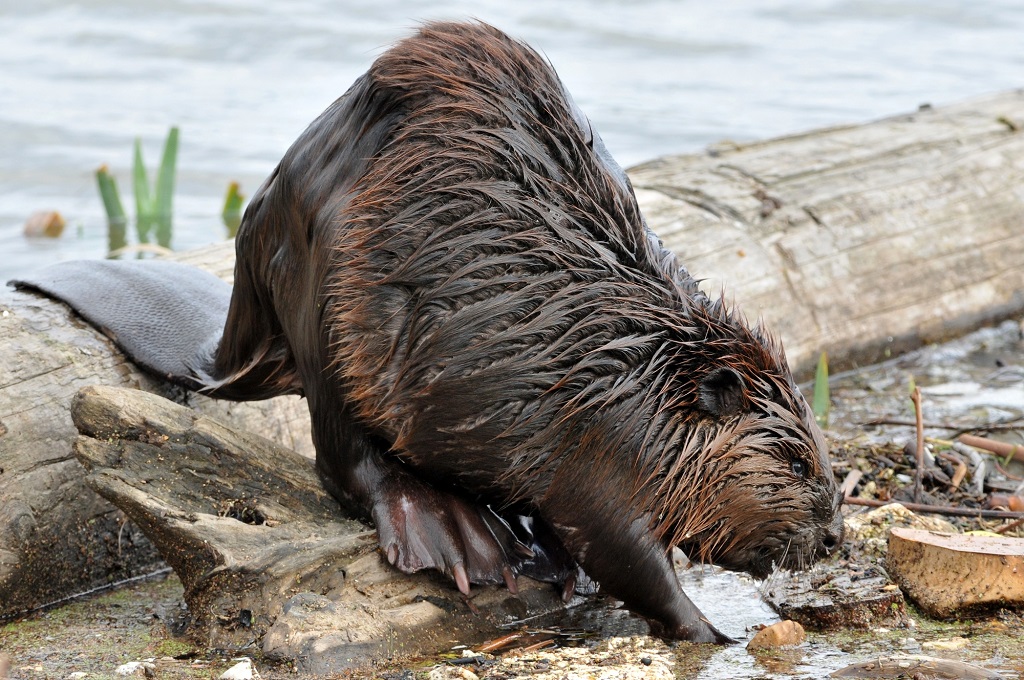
x=490, y=252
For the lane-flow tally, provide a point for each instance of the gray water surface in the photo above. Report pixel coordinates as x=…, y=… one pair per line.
x=79, y=81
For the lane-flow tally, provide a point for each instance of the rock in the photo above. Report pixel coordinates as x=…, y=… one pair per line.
x=141, y=669
x=782, y=634
x=5, y=665
x=916, y=666
x=243, y=670
x=44, y=224
x=871, y=529
x=947, y=574
x=838, y=597
x=451, y=673
x=621, y=658
x=947, y=645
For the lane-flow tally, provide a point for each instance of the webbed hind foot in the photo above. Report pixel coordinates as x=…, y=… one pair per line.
x=420, y=527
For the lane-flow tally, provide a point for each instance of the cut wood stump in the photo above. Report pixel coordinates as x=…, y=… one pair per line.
x=264, y=554
x=949, y=574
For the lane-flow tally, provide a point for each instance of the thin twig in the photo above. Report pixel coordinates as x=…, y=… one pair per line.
x=915, y=397
x=850, y=482
x=961, y=468
x=1009, y=475
x=957, y=430
x=1012, y=525
x=909, y=423
x=939, y=509
x=1004, y=450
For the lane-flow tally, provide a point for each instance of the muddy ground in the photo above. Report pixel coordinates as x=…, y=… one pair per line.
x=976, y=384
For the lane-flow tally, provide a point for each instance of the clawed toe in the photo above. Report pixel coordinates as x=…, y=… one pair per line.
x=420, y=527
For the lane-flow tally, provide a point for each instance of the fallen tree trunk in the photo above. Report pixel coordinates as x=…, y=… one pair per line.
x=262, y=551
x=864, y=240
x=57, y=537
x=861, y=240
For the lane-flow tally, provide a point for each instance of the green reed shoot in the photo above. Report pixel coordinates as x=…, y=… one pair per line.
x=232, y=213
x=117, y=221
x=153, y=208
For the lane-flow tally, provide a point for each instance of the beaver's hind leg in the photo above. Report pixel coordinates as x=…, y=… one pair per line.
x=421, y=525
x=418, y=525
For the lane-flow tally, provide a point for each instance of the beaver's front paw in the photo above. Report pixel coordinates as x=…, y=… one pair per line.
x=420, y=527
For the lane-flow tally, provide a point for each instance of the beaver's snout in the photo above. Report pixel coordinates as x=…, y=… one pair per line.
x=832, y=536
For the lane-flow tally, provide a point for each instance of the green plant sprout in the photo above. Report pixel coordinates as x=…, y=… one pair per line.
x=153, y=209
x=232, y=213
x=153, y=205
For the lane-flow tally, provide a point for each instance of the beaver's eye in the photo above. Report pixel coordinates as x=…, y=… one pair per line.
x=798, y=468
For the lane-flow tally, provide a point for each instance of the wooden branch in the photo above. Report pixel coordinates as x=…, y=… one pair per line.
x=937, y=509
x=263, y=552
x=1002, y=449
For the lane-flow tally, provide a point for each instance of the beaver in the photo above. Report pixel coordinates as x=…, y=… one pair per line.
x=506, y=371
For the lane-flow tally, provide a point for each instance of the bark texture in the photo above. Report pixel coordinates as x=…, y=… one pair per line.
x=865, y=240
x=57, y=537
x=263, y=552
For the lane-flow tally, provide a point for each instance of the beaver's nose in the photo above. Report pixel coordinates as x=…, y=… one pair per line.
x=832, y=536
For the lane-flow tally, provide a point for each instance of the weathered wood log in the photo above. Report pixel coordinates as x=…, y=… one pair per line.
x=57, y=537
x=262, y=551
x=864, y=240
x=916, y=666
x=861, y=240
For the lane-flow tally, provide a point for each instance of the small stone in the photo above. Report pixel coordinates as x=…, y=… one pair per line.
x=948, y=645
x=142, y=669
x=44, y=224
x=243, y=670
x=782, y=634
x=77, y=675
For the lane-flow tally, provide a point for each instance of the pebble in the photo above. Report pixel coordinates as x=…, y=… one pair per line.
x=243, y=670
x=451, y=673
x=143, y=669
x=44, y=224
x=947, y=645
x=77, y=675
x=782, y=634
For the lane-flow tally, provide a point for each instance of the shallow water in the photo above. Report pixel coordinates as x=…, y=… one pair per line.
x=79, y=81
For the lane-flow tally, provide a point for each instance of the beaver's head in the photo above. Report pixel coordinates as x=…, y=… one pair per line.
x=744, y=475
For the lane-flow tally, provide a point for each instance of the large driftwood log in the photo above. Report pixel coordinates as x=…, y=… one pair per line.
x=865, y=240
x=57, y=537
x=860, y=240
x=262, y=551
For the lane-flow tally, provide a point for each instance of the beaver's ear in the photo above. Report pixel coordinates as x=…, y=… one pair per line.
x=721, y=393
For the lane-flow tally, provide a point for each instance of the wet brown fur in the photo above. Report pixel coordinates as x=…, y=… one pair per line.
x=451, y=241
